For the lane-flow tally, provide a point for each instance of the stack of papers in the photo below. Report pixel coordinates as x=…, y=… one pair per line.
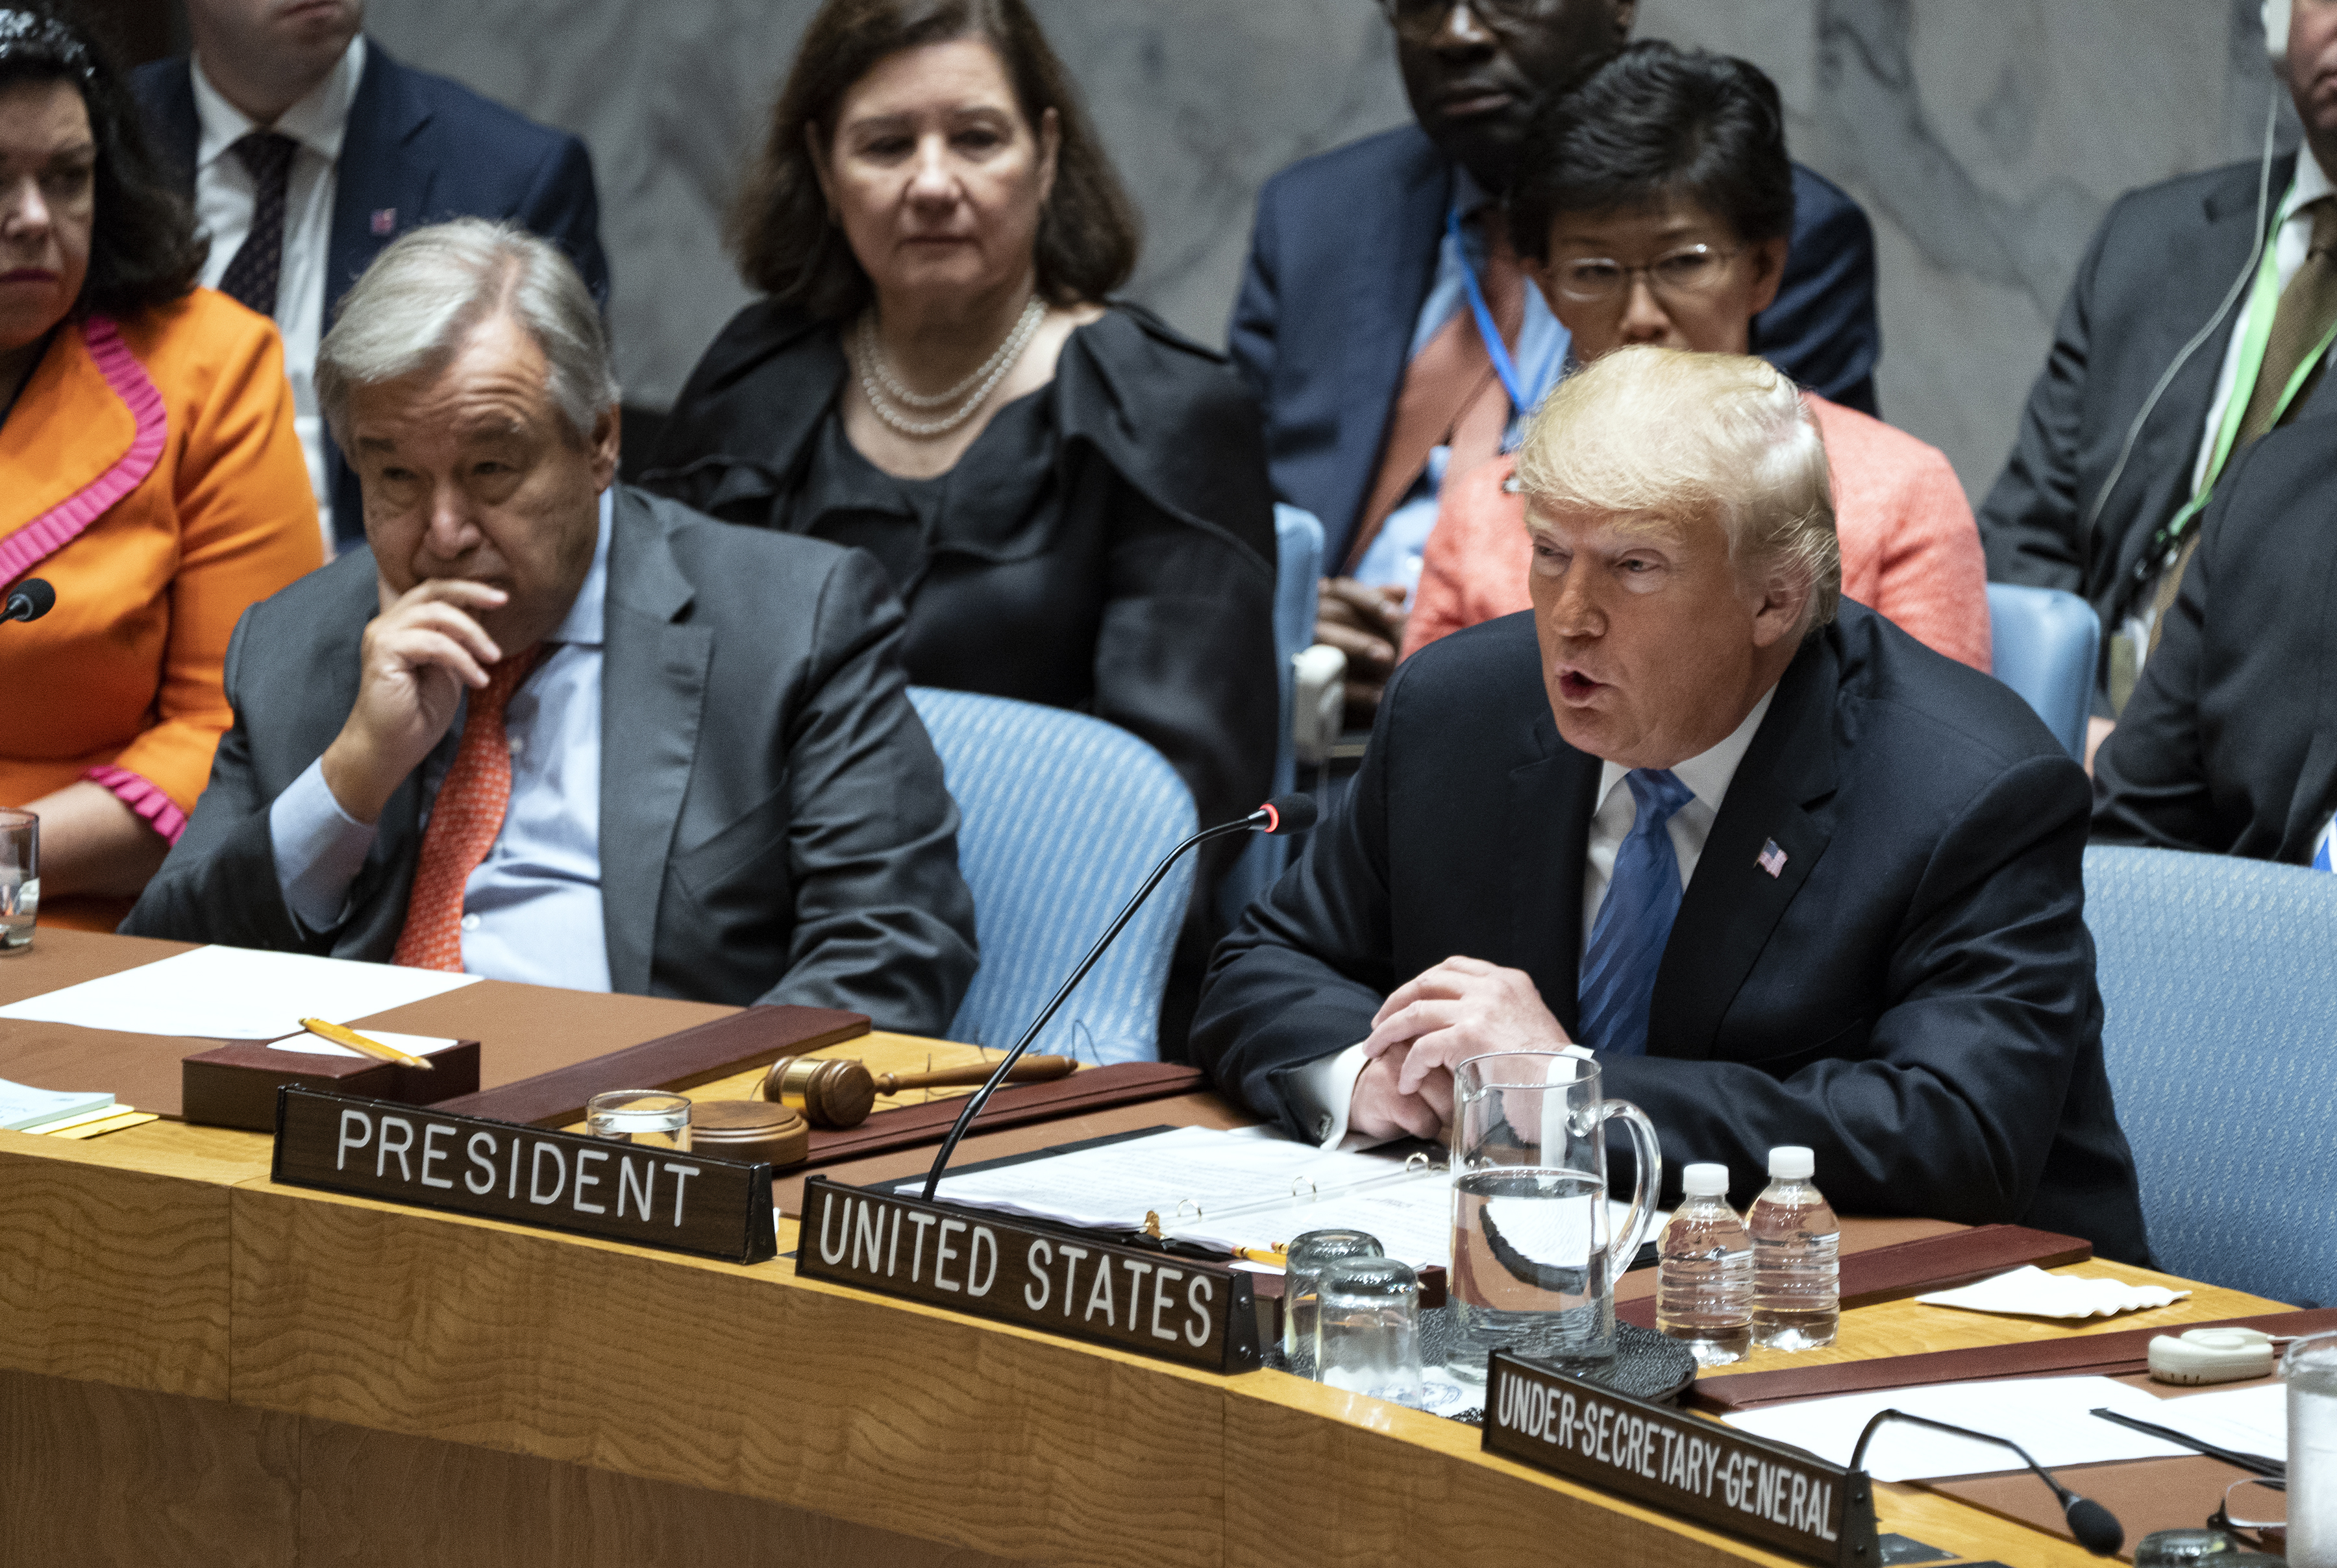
x=234, y=994
x=2031, y=1292
x=22, y=1106
x=2052, y=1417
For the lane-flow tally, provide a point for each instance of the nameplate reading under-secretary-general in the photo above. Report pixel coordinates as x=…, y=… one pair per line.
x=1696, y=1470
x=633, y=1192
x=975, y=1261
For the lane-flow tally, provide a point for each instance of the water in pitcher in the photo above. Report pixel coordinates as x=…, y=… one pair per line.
x=1530, y=1263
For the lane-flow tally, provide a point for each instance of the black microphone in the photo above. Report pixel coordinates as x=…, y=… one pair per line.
x=2093, y=1526
x=1282, y=814
x=32, y=599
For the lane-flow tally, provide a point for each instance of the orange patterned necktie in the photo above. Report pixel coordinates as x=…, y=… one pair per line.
x=464, y=823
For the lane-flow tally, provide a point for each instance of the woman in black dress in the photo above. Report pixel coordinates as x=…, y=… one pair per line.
x=1070, y=497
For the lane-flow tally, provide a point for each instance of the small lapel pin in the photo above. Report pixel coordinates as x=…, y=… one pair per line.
x=1772, y=858
x=385, y=221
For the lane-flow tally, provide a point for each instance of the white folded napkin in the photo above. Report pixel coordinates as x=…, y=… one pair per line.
x=2031, y=1292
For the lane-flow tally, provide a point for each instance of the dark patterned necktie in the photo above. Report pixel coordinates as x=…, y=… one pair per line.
x=253, y=276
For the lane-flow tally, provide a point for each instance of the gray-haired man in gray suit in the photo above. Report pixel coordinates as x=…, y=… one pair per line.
x=549, y=728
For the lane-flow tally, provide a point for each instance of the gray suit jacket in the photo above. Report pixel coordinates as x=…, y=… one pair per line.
x=2164, y=257
x=773, y=826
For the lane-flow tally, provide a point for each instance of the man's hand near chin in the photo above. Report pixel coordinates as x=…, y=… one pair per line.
x=416, y=659
x=1460, y=1008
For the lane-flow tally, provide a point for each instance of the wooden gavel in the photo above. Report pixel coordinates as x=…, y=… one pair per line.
x=840, y=1092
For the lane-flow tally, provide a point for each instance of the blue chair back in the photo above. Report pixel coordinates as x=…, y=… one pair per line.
x=1062, y=816
x=2218, y=1032
x=1299, y=566
x=2044, y=644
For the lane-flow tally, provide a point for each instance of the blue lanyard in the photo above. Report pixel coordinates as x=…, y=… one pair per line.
x=1487, y=330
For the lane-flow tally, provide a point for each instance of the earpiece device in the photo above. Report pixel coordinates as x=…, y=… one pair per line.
x=2211, y=1355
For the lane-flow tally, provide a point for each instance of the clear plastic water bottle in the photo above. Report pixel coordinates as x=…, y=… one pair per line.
x=1703, y=1271
x=1797, y=1274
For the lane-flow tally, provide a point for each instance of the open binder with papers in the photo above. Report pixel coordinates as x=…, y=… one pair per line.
x=1251, y=1188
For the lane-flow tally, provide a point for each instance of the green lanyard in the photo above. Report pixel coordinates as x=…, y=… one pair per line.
x=2263, y=301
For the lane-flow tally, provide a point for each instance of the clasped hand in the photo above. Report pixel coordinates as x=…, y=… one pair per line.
x=417, y=657
x=1460, y=1008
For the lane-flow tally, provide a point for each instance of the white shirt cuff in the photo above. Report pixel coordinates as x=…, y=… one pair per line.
x=1328, y=1083
x=319, y=849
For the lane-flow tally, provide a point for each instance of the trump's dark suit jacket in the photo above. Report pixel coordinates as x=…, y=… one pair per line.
x=2158, y=266
x=2230, y=744
x=419, y=148
x=773, y=822
x=1912, y=995
x=1343, y=257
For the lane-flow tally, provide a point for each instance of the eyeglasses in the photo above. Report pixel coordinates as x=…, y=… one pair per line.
x=1422, y=17
x=1593, y=280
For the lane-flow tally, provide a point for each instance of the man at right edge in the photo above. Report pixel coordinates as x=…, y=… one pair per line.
x=2124, y=434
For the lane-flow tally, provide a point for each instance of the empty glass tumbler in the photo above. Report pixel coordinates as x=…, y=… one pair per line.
x=2310, y=1370
x=1367, y=1328
x=1302, y=1262
x=20, y=878
x=649, y=1116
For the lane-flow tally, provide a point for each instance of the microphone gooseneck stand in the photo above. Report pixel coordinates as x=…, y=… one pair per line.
x=1283, y=814
x=2093, y=1526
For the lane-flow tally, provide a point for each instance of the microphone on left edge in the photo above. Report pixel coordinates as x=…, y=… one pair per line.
x=29, y=600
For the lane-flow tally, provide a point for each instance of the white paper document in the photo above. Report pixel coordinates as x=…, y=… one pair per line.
x=309, y=1045
x=2031, y=1292
x=1250, y=1188
x=2244, y=1420
x=21, y=1106
x=2052, y=1417
x=234, y=994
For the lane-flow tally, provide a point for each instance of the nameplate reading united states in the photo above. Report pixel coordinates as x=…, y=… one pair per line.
x=975, y=1261
x=639, y=1194
x=1711, y=1474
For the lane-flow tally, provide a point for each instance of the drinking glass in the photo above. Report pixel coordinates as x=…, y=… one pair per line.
x=649, y=1116
x=1301, y=1261
x=20, y=878
x=2310, y=1370
x=1367, y=1328
x=1533, y=1257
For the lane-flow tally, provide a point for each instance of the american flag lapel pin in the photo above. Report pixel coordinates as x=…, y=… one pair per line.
x=1772, y=858
x=385, y=221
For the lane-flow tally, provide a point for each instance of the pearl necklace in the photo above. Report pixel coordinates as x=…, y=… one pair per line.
x=889, y=398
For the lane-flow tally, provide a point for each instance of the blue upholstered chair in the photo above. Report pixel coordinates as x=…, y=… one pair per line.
x=1063, y=817
x=2043, y=643
x=2221, y=1033
x=1298, y=546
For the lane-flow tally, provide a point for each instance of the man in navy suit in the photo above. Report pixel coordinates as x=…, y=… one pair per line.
x=1351, y=275
x=1789, y=876
x=307, y=149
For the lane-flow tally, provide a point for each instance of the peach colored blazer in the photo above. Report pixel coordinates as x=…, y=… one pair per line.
x=1909, y=547
x=149, y=472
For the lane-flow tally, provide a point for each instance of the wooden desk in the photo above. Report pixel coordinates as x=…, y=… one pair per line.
x=198, y=1366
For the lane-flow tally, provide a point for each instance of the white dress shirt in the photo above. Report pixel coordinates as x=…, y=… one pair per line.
x=224, y=203
x=1329, y=1082
x=532, y=911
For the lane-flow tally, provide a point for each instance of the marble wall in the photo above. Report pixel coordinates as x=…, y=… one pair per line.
x=1984, y=137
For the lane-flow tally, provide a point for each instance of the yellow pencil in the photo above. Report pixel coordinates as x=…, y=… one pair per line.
x=354, y=1041
x=1273, y=1255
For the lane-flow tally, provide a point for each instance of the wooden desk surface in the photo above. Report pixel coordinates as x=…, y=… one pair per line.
x=297, y=1347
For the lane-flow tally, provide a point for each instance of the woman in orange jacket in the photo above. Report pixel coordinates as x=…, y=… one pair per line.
x=149, y=473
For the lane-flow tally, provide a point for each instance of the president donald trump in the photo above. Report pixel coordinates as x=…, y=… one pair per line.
x=1792, y=877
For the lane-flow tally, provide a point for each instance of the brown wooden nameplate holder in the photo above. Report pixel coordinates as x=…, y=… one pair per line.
x=1932, y=1263
x=753, y=1037
x=235, y=1084
x=1016, y=1105
x=994, y=1266
x=587, y=1186
x=1780, y=1497
x=2084, y=1355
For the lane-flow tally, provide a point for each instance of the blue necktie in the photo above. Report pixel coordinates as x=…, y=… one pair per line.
x=1635, y=920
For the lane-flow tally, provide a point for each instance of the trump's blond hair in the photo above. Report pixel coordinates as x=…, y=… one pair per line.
x=1666, y=433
